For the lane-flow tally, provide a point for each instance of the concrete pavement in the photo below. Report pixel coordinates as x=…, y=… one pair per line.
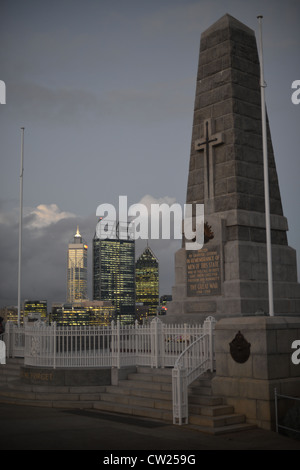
x=39, y=428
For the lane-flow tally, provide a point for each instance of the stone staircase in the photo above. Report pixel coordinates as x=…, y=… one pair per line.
x=146, y=393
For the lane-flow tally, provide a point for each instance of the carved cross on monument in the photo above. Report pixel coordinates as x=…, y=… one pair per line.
x=210, y=141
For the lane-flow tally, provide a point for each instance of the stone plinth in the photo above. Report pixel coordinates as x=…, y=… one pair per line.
x=249, y=386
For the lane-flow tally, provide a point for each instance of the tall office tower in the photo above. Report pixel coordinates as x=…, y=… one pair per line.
x=147, y=281
x=77, y=269
x=114, y=273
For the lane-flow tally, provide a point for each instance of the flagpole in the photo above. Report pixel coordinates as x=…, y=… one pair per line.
x=266, y=175
x=20, y=224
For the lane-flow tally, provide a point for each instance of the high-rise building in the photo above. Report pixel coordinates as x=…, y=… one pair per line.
x=114, y=274
x=77, y=269
x=10, y=313
x=83, y=313
x=147, y=280
x=35, y=309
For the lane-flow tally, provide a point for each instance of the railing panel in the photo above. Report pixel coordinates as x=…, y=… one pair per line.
x=153, y=344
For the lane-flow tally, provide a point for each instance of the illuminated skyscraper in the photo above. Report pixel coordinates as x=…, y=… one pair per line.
x=35, y=309
x=83, y=312
x=114, y=274
x=77, y=269
x=147, y=280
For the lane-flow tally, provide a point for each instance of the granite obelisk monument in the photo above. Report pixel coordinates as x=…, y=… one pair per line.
x=228, y=276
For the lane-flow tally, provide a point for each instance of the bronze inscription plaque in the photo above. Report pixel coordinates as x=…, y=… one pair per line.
x=203, y=272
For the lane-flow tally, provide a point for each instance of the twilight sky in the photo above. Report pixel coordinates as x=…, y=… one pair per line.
x=105, y=90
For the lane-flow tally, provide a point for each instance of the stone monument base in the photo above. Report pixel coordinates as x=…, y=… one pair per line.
x=250, y=366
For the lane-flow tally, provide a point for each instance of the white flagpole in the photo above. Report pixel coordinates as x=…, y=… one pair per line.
x=20, y=224
x=266, y=176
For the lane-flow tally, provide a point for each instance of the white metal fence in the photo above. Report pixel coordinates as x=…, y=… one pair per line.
x=154, y=344
x=14, y=338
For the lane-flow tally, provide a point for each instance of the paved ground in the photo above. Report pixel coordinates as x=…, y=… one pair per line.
x=35, y=428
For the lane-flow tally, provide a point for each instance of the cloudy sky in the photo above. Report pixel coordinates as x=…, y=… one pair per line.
x=105, y=90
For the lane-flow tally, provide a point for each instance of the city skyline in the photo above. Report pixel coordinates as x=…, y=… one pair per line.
x=101, y=88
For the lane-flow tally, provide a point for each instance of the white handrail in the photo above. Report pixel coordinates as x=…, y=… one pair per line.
x=194, y=361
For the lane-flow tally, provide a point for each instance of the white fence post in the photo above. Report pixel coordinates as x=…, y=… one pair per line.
x=136, y=341
x=115, y=344
x=54, y=344
x=156, y=339
x=7, y=336
x=180, y=395
x=118, y=344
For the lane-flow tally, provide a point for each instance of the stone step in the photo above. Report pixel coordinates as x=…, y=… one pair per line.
x=222, y=429
x=17, y=392
x=167, y=371
x=145, y=393
x=210, y=410
x=147, y=384
x=150, y=378
x=137, y=400
x=146, y=412
x=50, y=395
x=216, y=421
x=19, y=385
x=207, y=400
x=140, y=392
x=65, y=404
x=203, y=391
x=204, y=381
x=11, y=370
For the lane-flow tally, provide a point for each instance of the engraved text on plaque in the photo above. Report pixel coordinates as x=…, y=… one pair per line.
x=204, y=272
